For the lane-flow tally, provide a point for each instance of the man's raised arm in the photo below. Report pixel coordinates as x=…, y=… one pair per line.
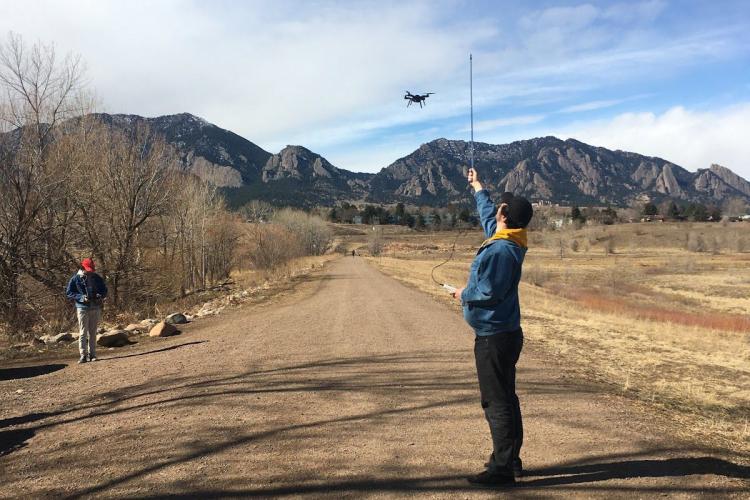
x=485, y=207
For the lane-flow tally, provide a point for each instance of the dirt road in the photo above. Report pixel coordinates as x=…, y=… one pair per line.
x=352, y=386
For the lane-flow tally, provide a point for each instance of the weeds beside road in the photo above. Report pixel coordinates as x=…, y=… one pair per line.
x=646, y=316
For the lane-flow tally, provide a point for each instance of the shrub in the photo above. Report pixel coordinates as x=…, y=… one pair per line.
x=375, y=242
x=695, y=242
x=271, y=246
x=535, y=275
x=312, y=233
x=341, y=248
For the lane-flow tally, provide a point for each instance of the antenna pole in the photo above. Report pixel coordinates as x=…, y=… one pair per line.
x=471, y=107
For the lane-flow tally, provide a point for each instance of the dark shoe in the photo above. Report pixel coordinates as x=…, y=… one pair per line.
x=82, y=360
x=517, y=466
x=487, y=479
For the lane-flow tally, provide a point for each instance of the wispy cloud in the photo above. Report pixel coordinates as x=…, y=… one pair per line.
x=485, y=125
x=591, y=106
x=600, y=104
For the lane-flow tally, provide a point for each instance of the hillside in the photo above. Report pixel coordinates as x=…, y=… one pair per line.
x=544, y=168
x=550, y=169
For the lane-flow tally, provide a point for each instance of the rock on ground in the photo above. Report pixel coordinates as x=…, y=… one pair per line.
x=113, y=338
x=63, y=337
x=176, y=319
x=163, y=329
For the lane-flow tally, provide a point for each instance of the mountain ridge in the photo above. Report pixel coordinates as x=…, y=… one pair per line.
x=542, y=169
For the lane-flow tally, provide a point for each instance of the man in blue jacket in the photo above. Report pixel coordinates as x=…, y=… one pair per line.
x=87, y=290
x=490, y=304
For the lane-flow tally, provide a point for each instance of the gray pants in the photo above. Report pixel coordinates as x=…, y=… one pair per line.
x=88, y=322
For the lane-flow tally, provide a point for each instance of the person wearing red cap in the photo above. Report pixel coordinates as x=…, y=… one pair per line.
x=87, y=290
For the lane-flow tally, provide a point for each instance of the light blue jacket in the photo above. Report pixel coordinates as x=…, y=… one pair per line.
x=490, y=299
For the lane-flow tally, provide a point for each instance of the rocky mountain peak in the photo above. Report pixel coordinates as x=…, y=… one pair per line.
x=541, y=168
x=730, y=178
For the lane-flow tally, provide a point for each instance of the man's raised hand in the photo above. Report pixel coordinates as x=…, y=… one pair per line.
x=473, y=179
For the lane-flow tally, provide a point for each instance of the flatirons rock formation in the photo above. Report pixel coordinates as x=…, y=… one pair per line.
x=549, y=169
x=544, y=168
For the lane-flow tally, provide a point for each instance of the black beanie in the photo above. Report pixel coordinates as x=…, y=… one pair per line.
x=518, y=211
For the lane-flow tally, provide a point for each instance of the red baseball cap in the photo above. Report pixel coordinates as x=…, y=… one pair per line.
x=88, y=265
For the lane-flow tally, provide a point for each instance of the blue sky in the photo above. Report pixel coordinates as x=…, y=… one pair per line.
x=664, y=78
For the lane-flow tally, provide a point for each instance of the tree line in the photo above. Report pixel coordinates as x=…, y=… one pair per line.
x=399, y=214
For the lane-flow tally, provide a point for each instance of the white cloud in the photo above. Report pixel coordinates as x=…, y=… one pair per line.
x=591, y=106
x=690, y=138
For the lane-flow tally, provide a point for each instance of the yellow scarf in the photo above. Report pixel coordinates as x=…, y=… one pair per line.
x=517, y=236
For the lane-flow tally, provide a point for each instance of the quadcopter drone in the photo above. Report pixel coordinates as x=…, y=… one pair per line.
x=418, y=98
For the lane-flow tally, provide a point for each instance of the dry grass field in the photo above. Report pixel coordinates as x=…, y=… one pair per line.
x=659, y=312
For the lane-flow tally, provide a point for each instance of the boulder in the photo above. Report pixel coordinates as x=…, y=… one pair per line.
x=163, y=329
x=176, y=319
x=47, y=339
x=135, y=327
x=148, y=323
x=63, y=337
x=113, y=338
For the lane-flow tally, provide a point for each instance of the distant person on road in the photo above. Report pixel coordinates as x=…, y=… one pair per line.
x=490, y=304
x=87, y=290
x=353, y=253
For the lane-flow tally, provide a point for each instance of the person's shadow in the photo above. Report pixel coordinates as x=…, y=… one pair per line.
x=625, y=469
x=29, y=371
x=11, y=441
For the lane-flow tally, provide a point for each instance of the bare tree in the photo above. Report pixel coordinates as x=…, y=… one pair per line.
x=124, y=182
x=735, y=207
x=37, y=91
x=257, y=211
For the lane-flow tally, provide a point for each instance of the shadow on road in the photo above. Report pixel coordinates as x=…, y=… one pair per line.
x=29, y=371
x=163, y=349
x=576, y=477
x=11, y=441
x=423, y=380
x=625, y=469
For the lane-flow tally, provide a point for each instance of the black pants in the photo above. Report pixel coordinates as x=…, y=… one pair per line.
x=496, y=357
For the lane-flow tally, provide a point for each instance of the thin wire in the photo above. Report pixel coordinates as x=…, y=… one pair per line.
x=450, y=256
x=471, y=162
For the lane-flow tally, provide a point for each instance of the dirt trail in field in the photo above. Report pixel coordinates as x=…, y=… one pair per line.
x=352, y=386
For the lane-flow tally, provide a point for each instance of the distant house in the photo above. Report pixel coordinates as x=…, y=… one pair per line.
x=652, y=218
x=357, y=219
x=558, y=223
x=541, y=203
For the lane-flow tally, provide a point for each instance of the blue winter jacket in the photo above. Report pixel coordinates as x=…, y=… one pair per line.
x=490, y=298
x=78, y=290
